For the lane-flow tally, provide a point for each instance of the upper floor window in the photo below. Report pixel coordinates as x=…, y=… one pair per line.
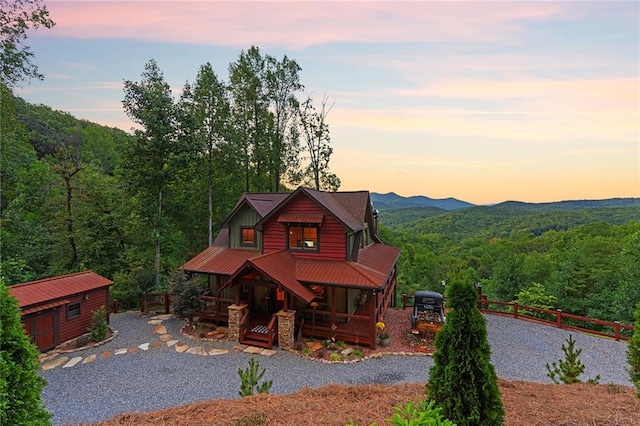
x=247, y=236
x=303, y=237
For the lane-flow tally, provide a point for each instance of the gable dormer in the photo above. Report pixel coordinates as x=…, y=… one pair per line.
x=242, y=232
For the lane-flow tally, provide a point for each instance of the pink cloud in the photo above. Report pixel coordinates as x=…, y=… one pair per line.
x=296, y=24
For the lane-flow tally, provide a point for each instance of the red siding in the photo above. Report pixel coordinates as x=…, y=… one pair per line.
x=332, y=237
x=72, y=328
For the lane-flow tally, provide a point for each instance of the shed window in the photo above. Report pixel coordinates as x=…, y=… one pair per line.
x=303, y=238
x=73, y=311
x=247, y=236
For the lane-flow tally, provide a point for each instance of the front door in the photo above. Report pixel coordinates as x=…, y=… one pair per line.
x=42, y=329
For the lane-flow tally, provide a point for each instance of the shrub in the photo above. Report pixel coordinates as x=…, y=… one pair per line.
x=569, y=369
x=462, y=380
x=187, y=300
x=357, y=352
x=633, y=353
x=20, y=385
x=99, y=327
x=335, y=358
x=250, y=379
x=424, y=413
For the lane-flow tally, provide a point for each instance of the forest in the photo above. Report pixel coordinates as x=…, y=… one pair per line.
x=135, y=206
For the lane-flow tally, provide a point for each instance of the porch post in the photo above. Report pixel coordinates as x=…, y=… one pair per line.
x=235, y=316
x=286, y=329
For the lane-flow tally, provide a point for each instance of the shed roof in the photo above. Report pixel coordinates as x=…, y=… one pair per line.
x=50, y=290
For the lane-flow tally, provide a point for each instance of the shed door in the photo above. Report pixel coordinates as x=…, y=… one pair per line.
x=45, y=330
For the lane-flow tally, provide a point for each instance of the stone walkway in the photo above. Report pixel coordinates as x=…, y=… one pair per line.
x=54, y=359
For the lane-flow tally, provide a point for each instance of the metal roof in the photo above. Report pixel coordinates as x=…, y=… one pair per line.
x=52, y=289
x=300, y=218
x=219, y=260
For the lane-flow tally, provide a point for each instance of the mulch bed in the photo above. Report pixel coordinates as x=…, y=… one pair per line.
x=526, y=404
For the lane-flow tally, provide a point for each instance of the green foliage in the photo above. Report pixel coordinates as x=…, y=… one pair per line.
x=20, y=384
x=569, y=369
x=18, y=17
x=535, y=296
x=187, y=300
x=462, y=380
x=99, y=327
x=424, y=413
x=633, y=353
x=250, y=379
x=256, y=419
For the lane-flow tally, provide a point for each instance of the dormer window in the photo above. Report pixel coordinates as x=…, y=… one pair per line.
x=247, y=236
x=303, y=237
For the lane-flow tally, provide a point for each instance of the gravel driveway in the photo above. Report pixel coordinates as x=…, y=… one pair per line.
x=161, y=377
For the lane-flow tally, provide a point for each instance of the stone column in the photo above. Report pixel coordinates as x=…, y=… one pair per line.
x=235, y=316
x=286, y=329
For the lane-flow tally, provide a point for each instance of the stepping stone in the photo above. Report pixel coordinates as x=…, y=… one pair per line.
x=215, y=351
x=196, y=350
x=121, y=351
x=239, y=348
x=54, y=363
x=181, y=348
x=268, y=352
x=73, y=362
x=171, y=343
x=252, y=350
x=133, y=349
x=347, y=351
x=89, y=359
x=46, y=357
x=165, y=337
x=105, y=355
x=156, y=345
x=162, y=317
x=314, y=346
x=160, y=329
x=144, y=346
x=154, y=322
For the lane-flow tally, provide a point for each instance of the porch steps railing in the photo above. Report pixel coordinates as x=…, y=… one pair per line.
x=264, y=338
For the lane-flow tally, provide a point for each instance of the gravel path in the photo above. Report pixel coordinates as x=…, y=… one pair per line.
x=161, y=377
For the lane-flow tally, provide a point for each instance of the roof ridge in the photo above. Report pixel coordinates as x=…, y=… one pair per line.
x=55, y=278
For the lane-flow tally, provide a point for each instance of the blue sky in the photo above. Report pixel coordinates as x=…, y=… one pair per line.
x=483, y=101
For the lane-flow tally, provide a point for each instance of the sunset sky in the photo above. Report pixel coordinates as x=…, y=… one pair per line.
x=483, y=101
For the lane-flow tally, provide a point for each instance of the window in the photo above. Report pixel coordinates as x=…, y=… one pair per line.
x=303, y=238
x=247, y=236
x=73, y=311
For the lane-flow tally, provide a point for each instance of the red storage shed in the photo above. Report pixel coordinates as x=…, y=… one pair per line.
x=58, y=309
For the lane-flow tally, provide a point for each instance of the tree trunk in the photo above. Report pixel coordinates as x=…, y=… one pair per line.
x=158, y=230
x=72, y=242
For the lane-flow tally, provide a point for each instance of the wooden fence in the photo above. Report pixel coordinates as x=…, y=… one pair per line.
x=553, y=317
x=149, y=301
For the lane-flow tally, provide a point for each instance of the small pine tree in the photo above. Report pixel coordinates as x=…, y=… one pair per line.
x=99, y=327
x=186, y=292
x=633, y=353
x=569, y=369
x=20, y=385
x=250, y=378
x=462, y=379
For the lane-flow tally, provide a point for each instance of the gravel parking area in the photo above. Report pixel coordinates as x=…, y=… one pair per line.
x=145, y=380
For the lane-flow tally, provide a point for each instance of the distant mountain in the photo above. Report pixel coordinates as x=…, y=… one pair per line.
x=570, y=205
x=392, y=201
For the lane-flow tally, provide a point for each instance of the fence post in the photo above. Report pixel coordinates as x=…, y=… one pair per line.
x=166, y=302
x=142, y=303
x=559, y=317
x=114, y=306
x=515, y=309
x=616, y=331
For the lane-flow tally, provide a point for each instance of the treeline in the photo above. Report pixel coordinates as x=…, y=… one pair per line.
x=133, y=207
x=584, y=262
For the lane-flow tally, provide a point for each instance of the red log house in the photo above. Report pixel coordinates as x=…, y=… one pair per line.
x=58, y=309
x=306, y=263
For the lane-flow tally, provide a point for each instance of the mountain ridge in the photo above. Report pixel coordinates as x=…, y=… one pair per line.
x=393, y=201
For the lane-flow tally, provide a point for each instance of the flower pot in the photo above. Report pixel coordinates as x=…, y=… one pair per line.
x=384, y=342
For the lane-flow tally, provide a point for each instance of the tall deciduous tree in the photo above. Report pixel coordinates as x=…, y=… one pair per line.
x=633, y=353
x=150, y=104
x=17, y=17
x=315, y=133
x=283, y=83
x=462, y=379
x=205, y=121
x=250, y=116
x=20, y=385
